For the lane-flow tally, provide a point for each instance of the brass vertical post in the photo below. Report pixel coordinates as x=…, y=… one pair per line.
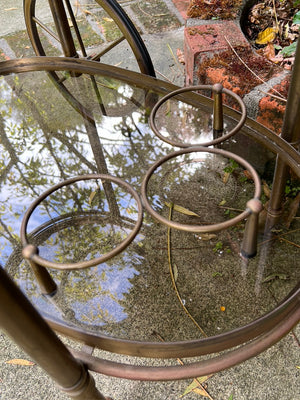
x=63, y=28
x=290, y=133
x=218, y=126
x=249, y=245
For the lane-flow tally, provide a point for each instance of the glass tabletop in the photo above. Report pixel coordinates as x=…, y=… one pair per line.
x=168, y=283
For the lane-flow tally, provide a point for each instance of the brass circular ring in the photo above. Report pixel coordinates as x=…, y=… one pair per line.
x=194, y=88
x=199, y=228
x=89, y=263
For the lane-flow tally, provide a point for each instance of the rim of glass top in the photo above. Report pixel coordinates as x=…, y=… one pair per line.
x=288, y=310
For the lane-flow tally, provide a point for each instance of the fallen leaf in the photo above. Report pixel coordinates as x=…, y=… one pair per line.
x=200, y=391
x=175, y=272
x=266, y=36
x=182, y=210
x=296, y=18
x=92, y=195
x=289, y=50
x=269, y=51
x=195, y=385
x=272, y=277
x=20, y=361
x=180, y=56
x=248, y=175
x=206, y=236
x=226, y=177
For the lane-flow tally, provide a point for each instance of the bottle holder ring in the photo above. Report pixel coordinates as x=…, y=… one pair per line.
x=253, y=206
x=217, y=90
x=30, y=251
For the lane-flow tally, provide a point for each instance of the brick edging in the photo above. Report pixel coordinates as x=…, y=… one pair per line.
x=207, y=48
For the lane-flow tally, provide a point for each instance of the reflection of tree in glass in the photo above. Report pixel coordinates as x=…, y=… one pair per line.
x=78, y=243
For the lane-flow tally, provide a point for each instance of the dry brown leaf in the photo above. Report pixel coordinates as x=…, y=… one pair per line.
x=200, y=391
x=180, y=56
x=226, y=177
x=206, y=236
x=277, y=59
x=269, y=51
x=195, y=386
x=20, y=361
x=248, y=175
x=181, y=209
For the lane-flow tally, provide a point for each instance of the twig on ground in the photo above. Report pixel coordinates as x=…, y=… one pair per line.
x=173, y=278
x=249, y=69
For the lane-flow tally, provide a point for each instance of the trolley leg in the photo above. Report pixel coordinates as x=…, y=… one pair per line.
x=62, y=27
x=218, y=124
x=20, y=320
x=290, y=133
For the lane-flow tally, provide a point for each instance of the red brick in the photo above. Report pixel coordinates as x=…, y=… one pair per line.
x=182, y=6
x=209, y=38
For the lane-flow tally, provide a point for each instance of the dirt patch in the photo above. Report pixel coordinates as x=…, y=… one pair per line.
x=272, y=28
x=219, y=9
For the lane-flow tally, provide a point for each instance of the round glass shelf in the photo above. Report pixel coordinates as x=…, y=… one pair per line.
x=117, y=304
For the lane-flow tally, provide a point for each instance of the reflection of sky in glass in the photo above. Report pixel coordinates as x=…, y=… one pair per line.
x=181, y=122
x=116, y=284
x=94, y=304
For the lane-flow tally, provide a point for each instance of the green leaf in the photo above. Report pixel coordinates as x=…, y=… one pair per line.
x=289, y=50
x=214, y=274
x=231, y=397
x=296, y=19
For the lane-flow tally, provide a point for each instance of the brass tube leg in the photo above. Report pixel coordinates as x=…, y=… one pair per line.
x=20, y=320
x=63, y=29
x=278, y=189
x=44, y=279
x=249, y=245
x=218, y=125
x=290, y=133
